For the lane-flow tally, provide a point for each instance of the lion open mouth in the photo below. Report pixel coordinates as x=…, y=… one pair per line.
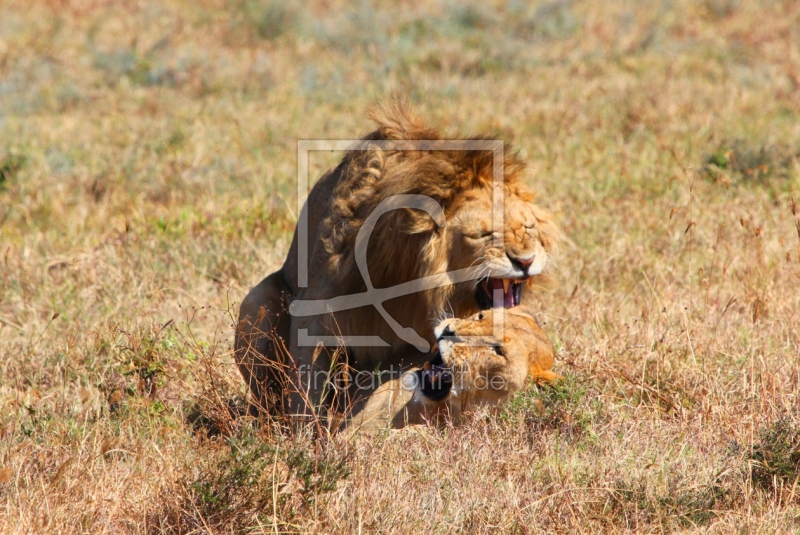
x=512, y=292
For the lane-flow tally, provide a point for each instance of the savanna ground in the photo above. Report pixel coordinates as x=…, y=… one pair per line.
x=147, y=167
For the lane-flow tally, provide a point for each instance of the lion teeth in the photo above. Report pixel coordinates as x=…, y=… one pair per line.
x=506, y=282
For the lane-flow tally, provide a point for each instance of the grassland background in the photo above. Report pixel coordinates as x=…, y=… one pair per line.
x=147, y=163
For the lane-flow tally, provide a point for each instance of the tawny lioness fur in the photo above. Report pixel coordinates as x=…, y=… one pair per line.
x=475, y=370
x=405, y=245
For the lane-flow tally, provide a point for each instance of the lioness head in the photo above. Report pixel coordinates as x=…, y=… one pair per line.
x=503, y=347
x=472, y=368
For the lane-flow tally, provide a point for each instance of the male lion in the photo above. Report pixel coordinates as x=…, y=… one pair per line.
x=465, y=374
x=405, y=245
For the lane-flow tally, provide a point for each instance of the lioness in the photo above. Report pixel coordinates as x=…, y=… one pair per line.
x=465, y=374
x=406, y=245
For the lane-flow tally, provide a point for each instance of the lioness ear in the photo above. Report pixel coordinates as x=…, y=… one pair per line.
x=498, y=348
x=495, y=343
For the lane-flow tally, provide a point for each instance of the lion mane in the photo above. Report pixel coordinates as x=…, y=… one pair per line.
x=371, y=175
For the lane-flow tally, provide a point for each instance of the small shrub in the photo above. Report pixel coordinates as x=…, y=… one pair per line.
x=10, y=165
x=562, y=406
x=776, y=457
x=740, y=161
x=697, y=505
x=213, y=418
x=681, y=504
x=268, y=19
x=721, y=9
x=254, y=480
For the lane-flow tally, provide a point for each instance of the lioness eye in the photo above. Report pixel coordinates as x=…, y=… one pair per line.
x=480, y=316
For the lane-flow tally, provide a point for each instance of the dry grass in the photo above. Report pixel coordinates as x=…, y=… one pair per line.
x=147, y=156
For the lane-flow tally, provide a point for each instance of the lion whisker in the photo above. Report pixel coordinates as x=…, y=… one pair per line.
x=551, y=263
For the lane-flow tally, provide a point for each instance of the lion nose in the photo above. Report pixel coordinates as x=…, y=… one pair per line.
x=522, y=263
x=447, y=331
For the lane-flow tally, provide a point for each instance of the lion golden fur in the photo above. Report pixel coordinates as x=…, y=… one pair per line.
x=405, y=245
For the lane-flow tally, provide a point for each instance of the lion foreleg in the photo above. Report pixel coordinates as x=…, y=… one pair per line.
x=261, y=337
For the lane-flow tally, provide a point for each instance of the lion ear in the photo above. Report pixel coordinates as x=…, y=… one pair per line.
x=416, y=222
x=420, y=226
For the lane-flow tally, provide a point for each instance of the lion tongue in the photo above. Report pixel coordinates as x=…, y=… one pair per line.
x=507, y=286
